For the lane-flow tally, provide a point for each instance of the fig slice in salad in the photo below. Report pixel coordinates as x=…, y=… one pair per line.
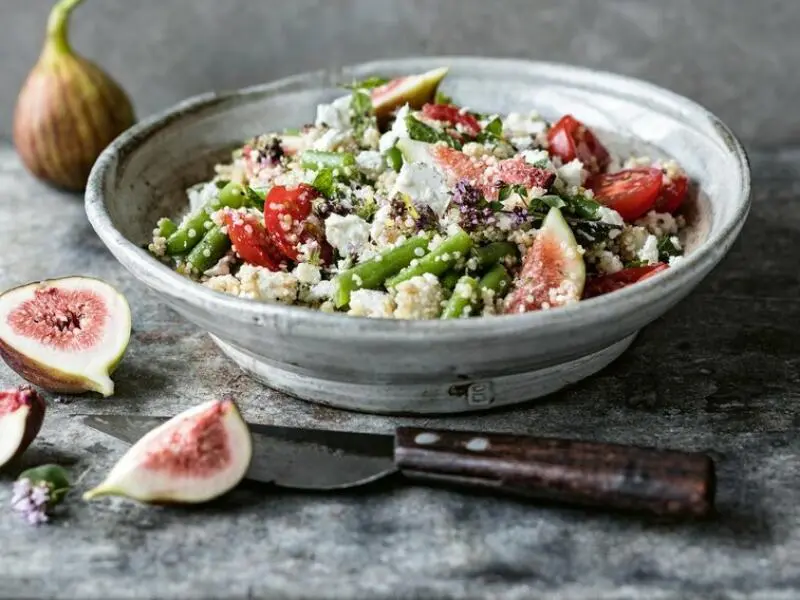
x=553, y=272
x=414, y=90
x=65, y=335
x=194, y=457
x=21, y=414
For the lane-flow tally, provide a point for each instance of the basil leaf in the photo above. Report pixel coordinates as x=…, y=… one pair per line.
x=506, y=191
x=666, y=249
x=419, y=131
x=366, y=84
x=324, y=182
x=582, y=207
x=494, y=127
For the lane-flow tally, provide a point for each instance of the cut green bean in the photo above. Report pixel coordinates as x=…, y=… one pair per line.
x=449, y=279
x=394, y=158
x=465, y=294
x=438, y=261
x=318, y=159
x=372, y=273
x=493, y=253
x=165, y=227
x=209, y=250
x=233, y=195
x=496, y=280
x=190, y=232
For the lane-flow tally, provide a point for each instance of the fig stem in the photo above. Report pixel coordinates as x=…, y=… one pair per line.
x=57, y=30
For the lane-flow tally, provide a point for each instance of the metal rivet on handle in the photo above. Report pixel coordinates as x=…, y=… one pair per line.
x=477, y=444
x=425, y=438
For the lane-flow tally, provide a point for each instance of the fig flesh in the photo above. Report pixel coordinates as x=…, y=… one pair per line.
x=194, y=457
x=414, y=90
x=65, y=335
x=21, y=414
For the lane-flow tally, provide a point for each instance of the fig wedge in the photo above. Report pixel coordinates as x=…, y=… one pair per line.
x=194, y=457
x=414, y=90
x=21, y=414
x=65, y=335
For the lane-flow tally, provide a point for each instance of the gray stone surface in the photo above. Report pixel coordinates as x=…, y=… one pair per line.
x=720, y=372
x=736, y=57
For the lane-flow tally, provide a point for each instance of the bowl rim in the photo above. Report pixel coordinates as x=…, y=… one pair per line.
x=316, y=322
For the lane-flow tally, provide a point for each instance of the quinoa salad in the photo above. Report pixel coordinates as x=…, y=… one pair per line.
x=397, y=202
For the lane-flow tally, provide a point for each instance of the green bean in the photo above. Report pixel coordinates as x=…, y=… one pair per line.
x=209, y=250
x=372, y=273
x=438, y=261
x=317, y=159
x=497, y=280
x=165, y=227
x=449, y=279
x=189, y=233
x=394, y=158
x=465, y=294
x=493, y=253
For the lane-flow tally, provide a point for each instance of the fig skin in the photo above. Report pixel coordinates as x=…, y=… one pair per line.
x=68, y=110
x=195, y=457
x=415, y=90
x=32, y=402
x=57, y=380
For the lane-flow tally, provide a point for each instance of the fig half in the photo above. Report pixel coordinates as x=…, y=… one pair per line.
x=194, y=457
x=65, y=335
x=21, y=414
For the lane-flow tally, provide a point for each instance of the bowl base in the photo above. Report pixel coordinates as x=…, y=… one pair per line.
x=428, y=398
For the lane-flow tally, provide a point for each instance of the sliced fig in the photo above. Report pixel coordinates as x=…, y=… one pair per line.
x=21, y=414
x=553, y=272
x=65, y=335
x=414, y=90
x=194, y=457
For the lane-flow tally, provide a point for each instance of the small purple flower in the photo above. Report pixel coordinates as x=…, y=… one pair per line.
x=274, y=151
x=475, y=211
x=31, y=501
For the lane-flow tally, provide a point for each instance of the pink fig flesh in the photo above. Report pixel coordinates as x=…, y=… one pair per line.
x=414, y=90
x=65, y=335
x=194, y=457
x=21, y=415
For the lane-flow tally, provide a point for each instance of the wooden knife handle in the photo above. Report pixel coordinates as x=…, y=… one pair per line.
x=661, y=482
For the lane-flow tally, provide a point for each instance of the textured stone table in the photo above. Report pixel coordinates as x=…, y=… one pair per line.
x=720, y=372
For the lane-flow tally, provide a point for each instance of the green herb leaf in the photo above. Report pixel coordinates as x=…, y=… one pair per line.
x=496, y=206
x=54, y=476
x=666, y=249
x=366, y=84
x=419, y=131
x=367, y=209
x=221, y=183
x=255, y=197
x=361, y=111
x=582, y=207
x=494, y=127
x=441, y=98
x=549, y=201
x=324, y=182
x=507, y=190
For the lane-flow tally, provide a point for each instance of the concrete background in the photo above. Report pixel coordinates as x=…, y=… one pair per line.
x=736, y=57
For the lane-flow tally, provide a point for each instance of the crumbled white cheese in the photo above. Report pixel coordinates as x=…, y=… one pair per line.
x=265, y=285
x=371, y=137
x=424, y=184
x=610, y=216
x=335, y=115
x=227, y=284
x=307, y=273
x=223, y=266
x=348, y=234
x=398, y=131
x=649, y=251
x=631, y=241
x=371, y=303
x=522, y=142
x=201, y=194
x=474, y=149
x=514, y=200
x=321, y=290
x=329, y=140
x=659, y=224
x=537, y=157
x=519, y=125
x=635, y=162
x=674, y=260
x=419, y=298
x=572, y=173
x=370, y=163
x=608, y=262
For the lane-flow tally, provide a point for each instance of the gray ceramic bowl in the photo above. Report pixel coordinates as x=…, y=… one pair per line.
x=392, y=366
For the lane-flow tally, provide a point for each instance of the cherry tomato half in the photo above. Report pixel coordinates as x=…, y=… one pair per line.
x=570, y=139
x=251, y=241
x=453, y=115
x=631, y=192
x=288, y=219
x=672, y=194
x=603, y=284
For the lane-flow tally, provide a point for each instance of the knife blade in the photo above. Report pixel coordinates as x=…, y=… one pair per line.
x=307, y=459
x=630, y=478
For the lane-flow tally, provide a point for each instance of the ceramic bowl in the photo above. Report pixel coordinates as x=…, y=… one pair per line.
x=414, y=367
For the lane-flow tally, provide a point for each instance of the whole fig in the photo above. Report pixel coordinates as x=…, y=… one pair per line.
x=68, y=110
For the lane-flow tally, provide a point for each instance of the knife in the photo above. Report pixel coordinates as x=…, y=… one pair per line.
x=613, y=476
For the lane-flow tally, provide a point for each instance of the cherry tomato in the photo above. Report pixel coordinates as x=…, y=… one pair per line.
x=631, y=192
x=251, y=241
x=288, y=219
x=603, y=284
x=672, y=194
x=453, y=115
x=570, y=139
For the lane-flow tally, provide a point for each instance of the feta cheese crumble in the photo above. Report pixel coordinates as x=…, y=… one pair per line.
x=425, y=185
x=348, y=234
